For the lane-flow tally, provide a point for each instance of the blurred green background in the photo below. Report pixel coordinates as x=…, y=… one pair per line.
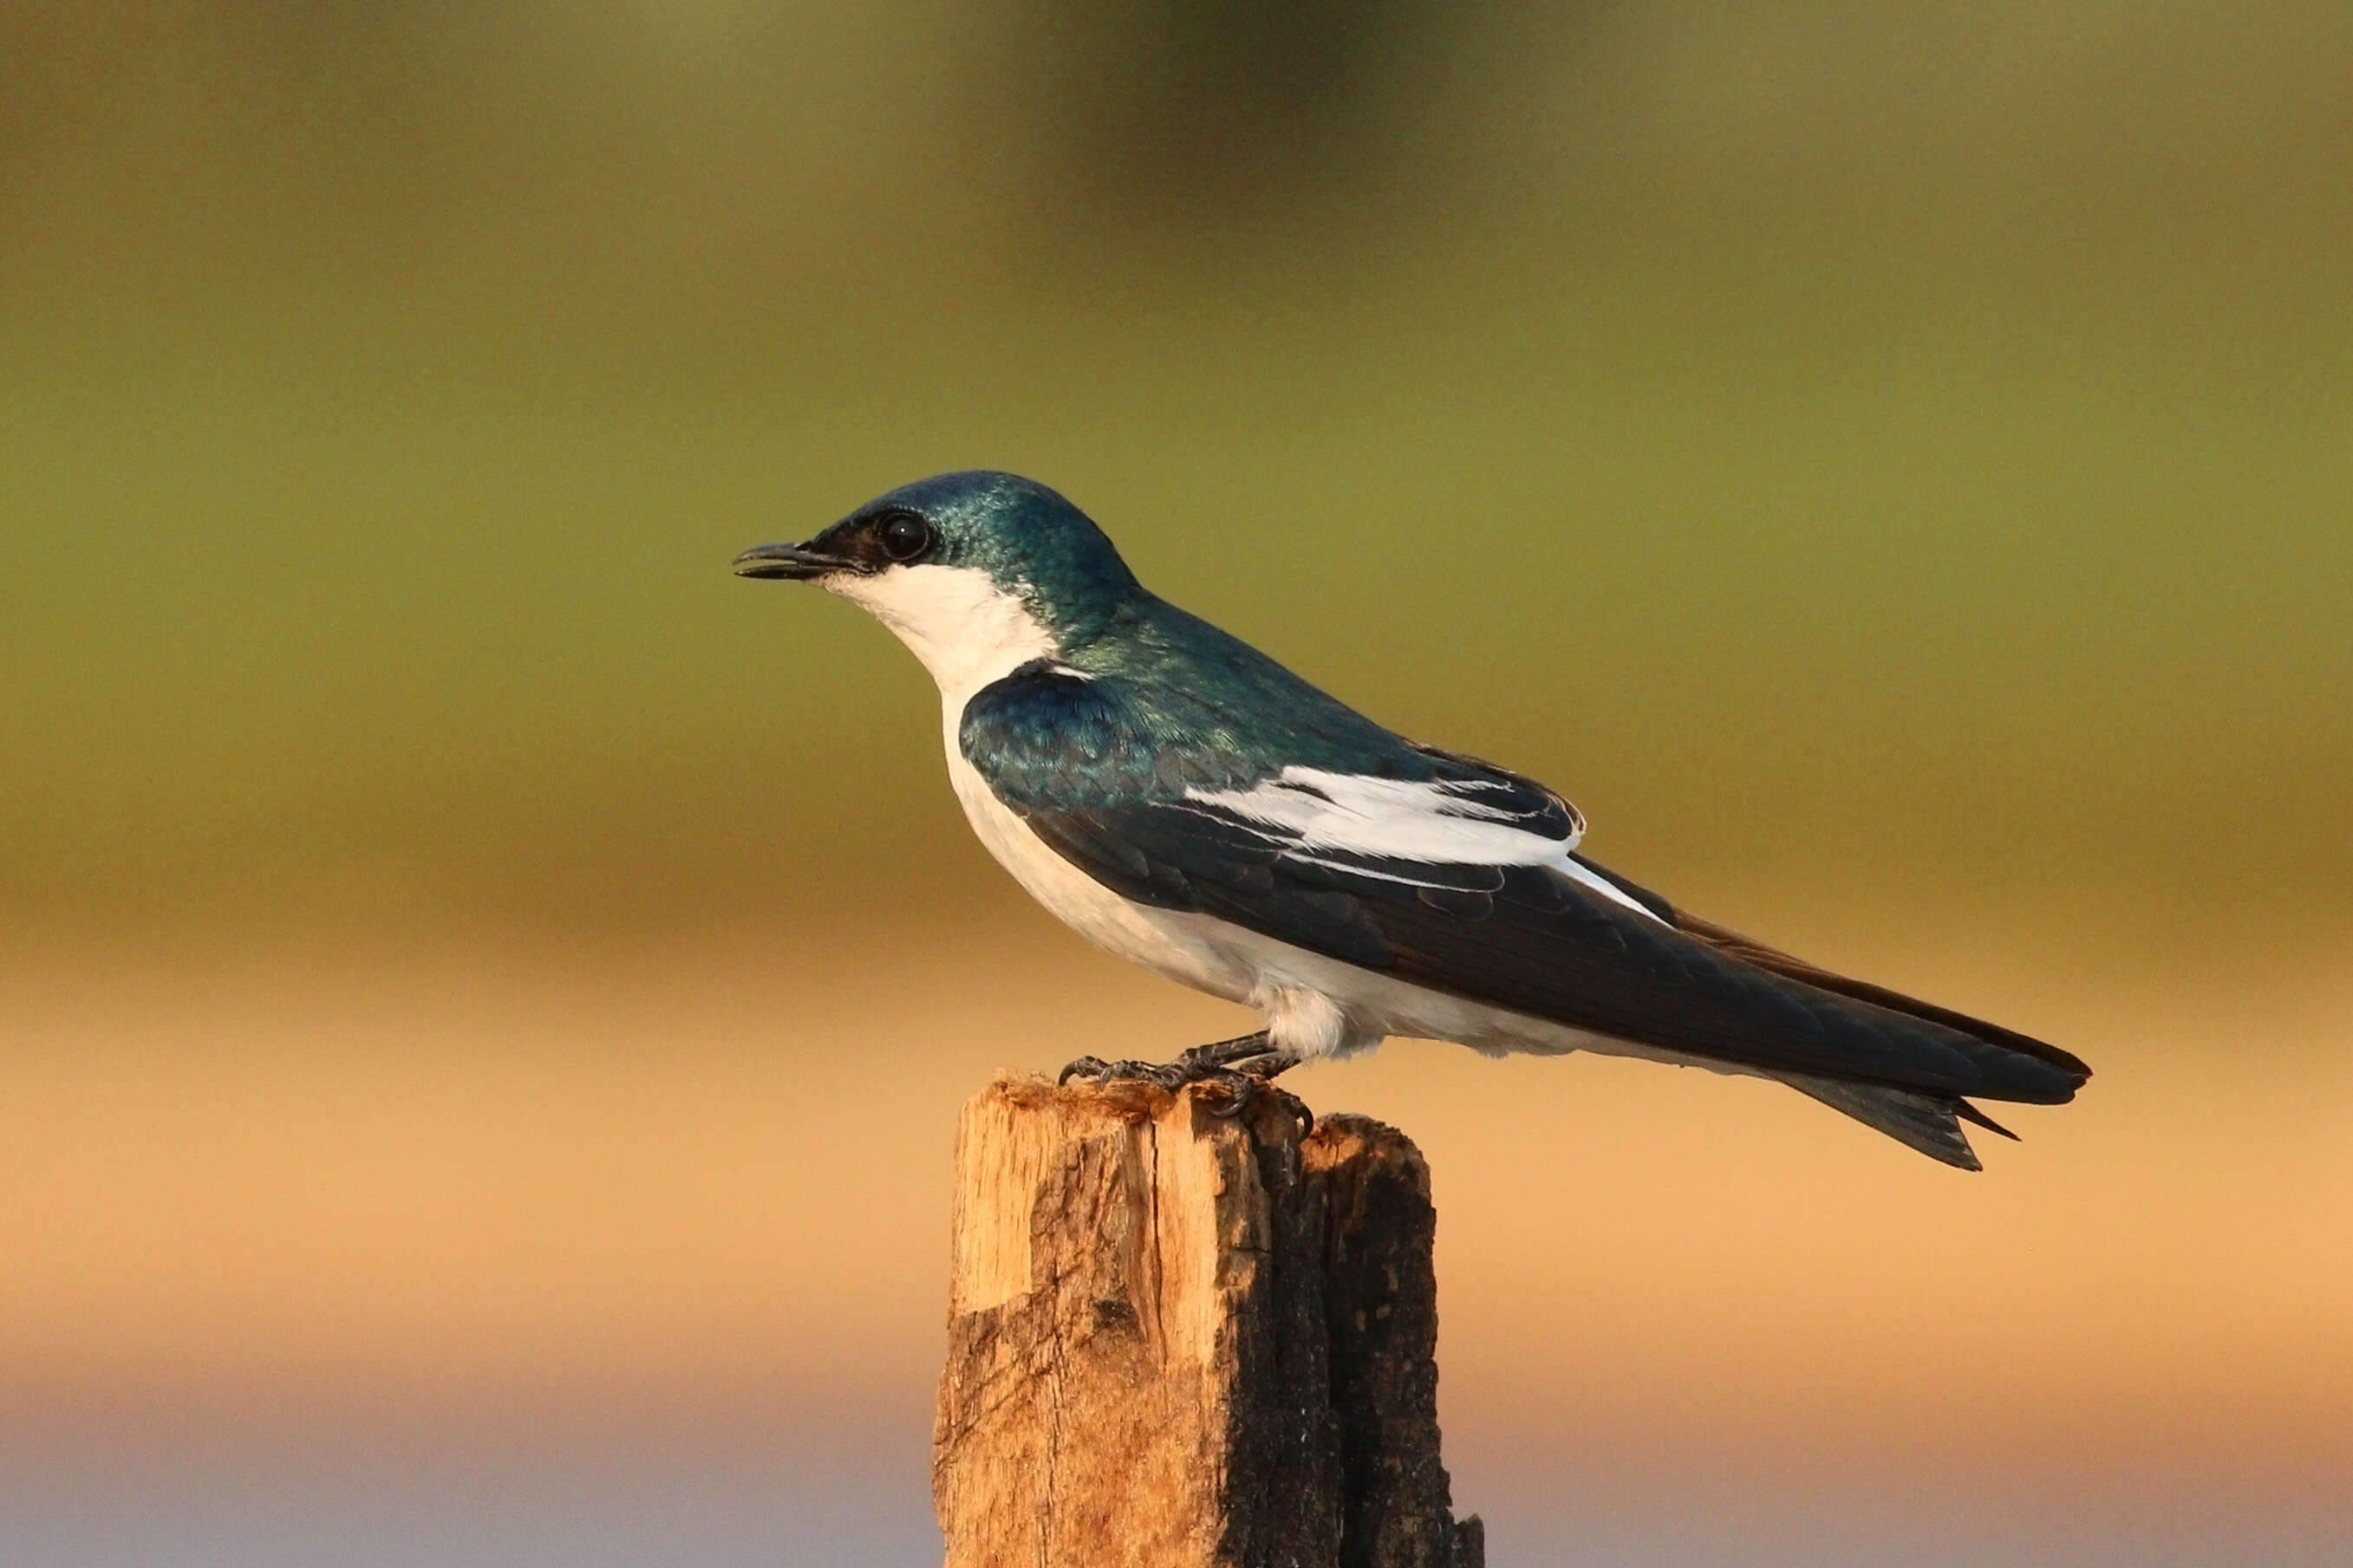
x=1891, y=464
x=1919, y=435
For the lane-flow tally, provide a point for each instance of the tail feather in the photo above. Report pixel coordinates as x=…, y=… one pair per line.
x=2018, y=1066
x=1928, y=1122
x=1998, y=1063
x=1968, y=1112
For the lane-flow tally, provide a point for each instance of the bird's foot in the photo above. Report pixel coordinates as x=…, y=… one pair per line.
x=1255, y=1055
x=1241, y=1067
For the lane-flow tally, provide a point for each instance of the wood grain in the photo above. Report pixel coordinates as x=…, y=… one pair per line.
x=1180, y=1339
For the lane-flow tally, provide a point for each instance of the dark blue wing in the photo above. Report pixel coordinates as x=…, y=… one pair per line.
x=1450, y=874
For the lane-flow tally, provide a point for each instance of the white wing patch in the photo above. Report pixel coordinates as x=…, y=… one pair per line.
x=1392, y=819
x=1444, y=822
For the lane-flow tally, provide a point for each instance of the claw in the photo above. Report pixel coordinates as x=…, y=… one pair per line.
x=1241, y=1090
x=1299, y=1109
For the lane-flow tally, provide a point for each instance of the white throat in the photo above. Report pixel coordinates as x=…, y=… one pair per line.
x=965, y=629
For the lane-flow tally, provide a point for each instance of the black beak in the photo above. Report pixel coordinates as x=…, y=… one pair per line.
x=796, y=562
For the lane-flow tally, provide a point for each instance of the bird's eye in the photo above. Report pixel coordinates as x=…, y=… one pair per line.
x=904, y=536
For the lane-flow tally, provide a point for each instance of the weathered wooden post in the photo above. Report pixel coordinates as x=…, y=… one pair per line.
x=1177, y=1340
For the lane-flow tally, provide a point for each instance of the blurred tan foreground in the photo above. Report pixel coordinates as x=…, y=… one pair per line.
x=431, y=1189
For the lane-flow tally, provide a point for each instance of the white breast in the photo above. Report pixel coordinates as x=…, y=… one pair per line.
x=1167, y=942
x=969, y=633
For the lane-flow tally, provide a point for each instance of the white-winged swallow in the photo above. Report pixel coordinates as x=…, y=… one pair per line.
x=1186, y=803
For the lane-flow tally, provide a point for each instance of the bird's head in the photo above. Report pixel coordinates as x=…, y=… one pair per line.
x=977, y=573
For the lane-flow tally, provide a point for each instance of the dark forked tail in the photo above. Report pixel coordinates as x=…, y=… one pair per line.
x=1918, y=1118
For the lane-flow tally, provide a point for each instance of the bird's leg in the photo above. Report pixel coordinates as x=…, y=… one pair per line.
x=1202, y=1062
x=1240, y=1065
x=1243, y=1064
x=1254, y=1054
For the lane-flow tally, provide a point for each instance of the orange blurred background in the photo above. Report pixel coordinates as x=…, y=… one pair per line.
x=484, y=994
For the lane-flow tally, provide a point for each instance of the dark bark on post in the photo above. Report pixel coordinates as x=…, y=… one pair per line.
x=1177, y=1340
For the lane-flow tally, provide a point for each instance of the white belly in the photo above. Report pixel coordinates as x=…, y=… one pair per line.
x=1164, y=941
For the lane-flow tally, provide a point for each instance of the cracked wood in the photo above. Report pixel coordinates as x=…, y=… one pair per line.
x=1183, y=1341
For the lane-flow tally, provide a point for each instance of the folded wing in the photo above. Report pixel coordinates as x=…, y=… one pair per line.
x=1465, y=877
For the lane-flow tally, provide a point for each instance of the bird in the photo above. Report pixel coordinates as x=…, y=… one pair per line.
x=1186, y=803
